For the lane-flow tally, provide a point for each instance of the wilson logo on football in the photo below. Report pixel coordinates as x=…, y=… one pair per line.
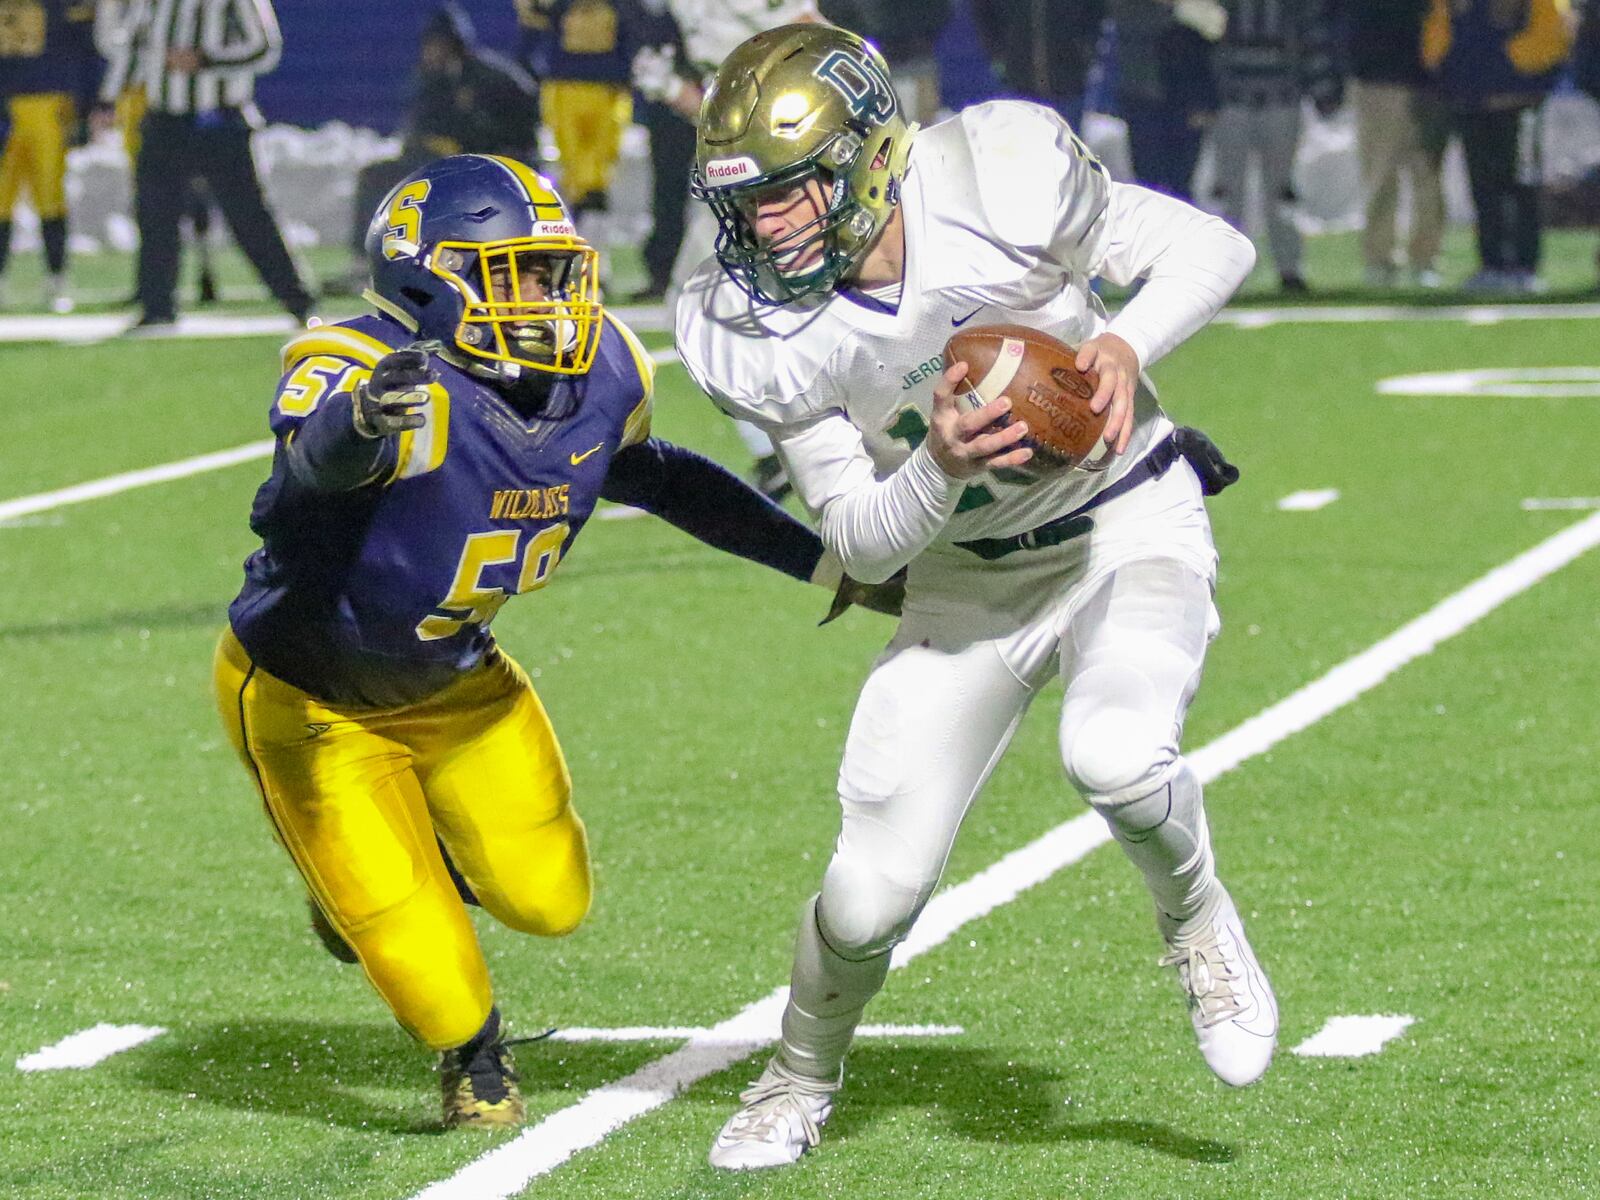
x=732, y=170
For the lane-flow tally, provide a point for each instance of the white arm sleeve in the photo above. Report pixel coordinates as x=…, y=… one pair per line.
x=1192, y=263
x=875, y=527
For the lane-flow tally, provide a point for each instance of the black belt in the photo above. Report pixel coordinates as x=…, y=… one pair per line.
x=1078, y=522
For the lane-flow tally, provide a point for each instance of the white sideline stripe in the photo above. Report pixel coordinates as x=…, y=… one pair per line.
x=1477, y=314
x=100, y=327
x=1308, y=501
x=679, y=1033
x=653, y=318
x=97, y=489
x=1353, y=1037
x=1544, y=504
x=88, y=1046
x=509, y=1168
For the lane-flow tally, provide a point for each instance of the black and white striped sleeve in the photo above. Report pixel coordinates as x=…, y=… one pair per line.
x=240, y=34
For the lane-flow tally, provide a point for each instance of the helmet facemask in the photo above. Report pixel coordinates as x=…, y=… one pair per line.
x=808, y=260
x=530, y=303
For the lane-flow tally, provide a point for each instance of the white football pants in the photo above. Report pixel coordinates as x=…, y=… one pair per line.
x=1124, y=615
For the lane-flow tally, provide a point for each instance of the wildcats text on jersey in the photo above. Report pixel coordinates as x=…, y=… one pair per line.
x=530, y=504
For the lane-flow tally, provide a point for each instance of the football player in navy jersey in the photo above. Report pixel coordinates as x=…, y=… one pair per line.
x=432, y=460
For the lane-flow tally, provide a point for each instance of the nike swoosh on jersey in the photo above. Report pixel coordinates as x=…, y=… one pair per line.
x=575, y=459
x=958, y=322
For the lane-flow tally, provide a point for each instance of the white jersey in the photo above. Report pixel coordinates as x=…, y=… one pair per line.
x=712, y=29
x=1007, y=218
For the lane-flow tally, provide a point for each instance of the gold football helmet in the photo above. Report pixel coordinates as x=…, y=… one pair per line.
x=795, y=102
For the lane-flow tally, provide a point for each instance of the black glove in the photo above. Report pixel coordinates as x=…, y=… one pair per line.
x=391, y=399
x=1215, y=471
x=887, y=597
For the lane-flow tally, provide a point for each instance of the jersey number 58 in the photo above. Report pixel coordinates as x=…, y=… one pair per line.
x=470, y=600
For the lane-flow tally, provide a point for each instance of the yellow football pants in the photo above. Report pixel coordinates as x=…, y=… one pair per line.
x=587, y=120
x=358, y=798
x=36, y=153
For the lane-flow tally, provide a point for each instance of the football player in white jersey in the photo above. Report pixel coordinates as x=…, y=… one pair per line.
x=851, y=247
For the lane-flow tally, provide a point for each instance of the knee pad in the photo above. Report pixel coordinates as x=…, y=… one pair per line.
x=862, y=913
x=1116, y=754
x=1174, y=810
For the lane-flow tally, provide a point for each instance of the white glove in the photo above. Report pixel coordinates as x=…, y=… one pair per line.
x=655, y=74
x=1206, y=17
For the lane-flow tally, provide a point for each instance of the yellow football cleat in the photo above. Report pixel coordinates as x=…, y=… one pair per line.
x=479, y=1083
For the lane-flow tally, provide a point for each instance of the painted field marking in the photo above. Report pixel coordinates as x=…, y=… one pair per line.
x=1308, y=501
x=654, y=318
x=509, y=1168
x=88, y=1046
x=96, y=489
x=681, y=1033
x=1353, y=1037
x=1559, y=503
x=99, y=327
x=111, y=485
x=1479, y=314
x=1512, y=383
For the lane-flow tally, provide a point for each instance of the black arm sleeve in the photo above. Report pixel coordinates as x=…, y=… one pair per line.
x=326, y=452
x=709, y=503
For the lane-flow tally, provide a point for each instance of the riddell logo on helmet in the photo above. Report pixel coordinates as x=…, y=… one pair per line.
x=732, y=170
x=556, y=228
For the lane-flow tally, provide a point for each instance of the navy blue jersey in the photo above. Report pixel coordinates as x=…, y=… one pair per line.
x=382, y=593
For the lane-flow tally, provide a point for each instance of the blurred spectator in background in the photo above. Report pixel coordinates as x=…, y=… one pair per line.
x=1495, y=61
x=1041, y=50
x=49, y=79
x=663, y=66
x=1586, y=68
x=906, y=33
x=1166, y=85
x=581, y=51
x=1272, y=56
x=1401, y=129
x=197, y=63
x=467, y=100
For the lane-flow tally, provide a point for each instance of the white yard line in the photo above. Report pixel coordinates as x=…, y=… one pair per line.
x=506, y=1170
x=97, y=489
x=1559, y=503
x=88, y=1046
x=112, y=484
x=1353, y=1037
x=1308, y=501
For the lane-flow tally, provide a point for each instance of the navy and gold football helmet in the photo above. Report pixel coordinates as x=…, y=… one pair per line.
x=479, y=253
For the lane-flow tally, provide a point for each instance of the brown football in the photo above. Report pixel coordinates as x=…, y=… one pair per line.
x=1037, y=373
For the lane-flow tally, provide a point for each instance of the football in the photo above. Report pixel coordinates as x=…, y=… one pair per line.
x=1046, y=389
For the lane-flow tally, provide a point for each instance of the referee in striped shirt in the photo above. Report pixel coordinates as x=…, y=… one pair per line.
x=196, y=62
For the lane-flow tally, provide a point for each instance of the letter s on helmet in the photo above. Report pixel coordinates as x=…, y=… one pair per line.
x=479, y=253
x=798, y=101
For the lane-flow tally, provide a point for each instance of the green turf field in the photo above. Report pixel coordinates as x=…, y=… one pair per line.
x=1428, y=850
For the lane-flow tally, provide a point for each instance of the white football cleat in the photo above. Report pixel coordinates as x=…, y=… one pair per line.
x=780, y=1120
x=1231, y=1004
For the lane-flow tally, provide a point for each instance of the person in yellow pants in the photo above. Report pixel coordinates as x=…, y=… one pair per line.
x=435, y=458
x=581, y=51
x=49, y=74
